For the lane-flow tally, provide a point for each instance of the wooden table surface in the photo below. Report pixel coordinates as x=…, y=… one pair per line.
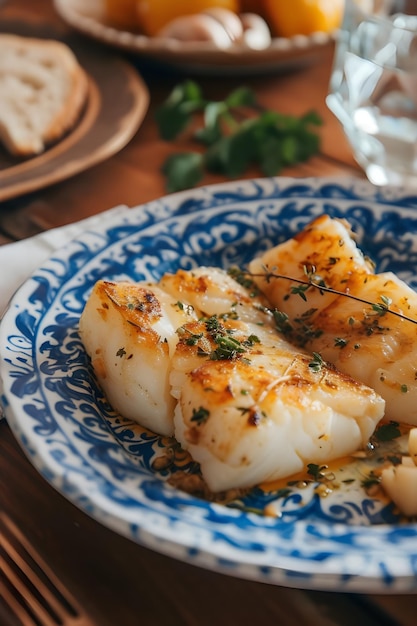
x=119, y=583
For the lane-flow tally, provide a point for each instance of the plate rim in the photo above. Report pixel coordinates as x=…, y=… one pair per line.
x=44, y=170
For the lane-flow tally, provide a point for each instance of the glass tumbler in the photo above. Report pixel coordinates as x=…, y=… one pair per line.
x=373, y=88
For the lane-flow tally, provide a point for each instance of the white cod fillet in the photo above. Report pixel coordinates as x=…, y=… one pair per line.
x=211, y=291
x=363, y=340
x=198, y=356
x=129, y=332
x=251, y=407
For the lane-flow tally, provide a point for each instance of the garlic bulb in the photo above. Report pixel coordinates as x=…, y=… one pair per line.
x=221, y=27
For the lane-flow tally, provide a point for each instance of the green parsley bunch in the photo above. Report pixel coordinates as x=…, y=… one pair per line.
x=266, y=138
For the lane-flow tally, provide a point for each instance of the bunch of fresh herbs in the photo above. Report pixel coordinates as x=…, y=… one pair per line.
x=235, y=134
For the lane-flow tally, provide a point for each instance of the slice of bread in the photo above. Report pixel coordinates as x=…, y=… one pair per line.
x=43, y=90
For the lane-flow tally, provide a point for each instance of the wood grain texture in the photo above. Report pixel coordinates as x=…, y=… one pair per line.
x=120, y=583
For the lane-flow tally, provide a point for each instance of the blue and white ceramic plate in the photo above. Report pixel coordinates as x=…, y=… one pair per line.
x=107, y=466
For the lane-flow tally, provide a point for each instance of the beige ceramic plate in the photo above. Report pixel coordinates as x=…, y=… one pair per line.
x=87, y=16
x=105, y=127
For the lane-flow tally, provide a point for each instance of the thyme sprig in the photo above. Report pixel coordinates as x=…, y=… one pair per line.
x=317, y=363
x=380, y=308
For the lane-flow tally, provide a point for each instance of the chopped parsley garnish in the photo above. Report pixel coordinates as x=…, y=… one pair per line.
x=388, y=432
x=282, y=322
x=382, y=307
x=316, y=471
x=228, y=347
x=200, y=415
x=316, y=363
x=339, y=342
x=299, y=290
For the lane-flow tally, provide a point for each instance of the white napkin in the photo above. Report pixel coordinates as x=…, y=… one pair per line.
x=18, y=260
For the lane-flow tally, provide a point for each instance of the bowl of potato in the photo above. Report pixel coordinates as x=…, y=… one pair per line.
x=217, y=36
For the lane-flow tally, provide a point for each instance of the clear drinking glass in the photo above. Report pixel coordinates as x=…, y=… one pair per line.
x=373, y=88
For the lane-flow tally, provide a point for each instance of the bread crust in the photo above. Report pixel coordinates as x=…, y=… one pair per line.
x=43, y=90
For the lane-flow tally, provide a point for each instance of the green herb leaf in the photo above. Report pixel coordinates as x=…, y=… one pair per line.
x=211, y=132
x=316, y=471
x=387, y=432
x=340, y=342
x=200, y=415
x=241, y=97
x=311, y=118
x=176, y=112
x=267, y=139
x=282, y=322
x=183, y=170
x=300, y=290
x=231, y=155
x=316, y=364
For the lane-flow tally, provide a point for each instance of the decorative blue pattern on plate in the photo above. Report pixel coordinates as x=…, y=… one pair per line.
x=106, y=465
